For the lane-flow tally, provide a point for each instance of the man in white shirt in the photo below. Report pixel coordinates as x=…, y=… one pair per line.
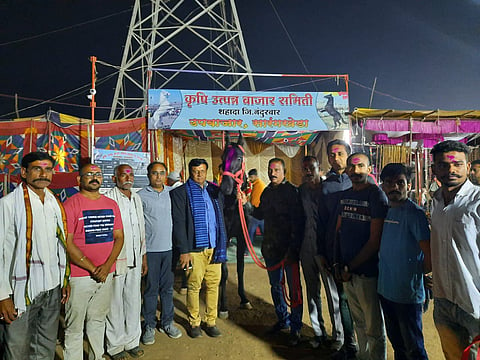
x=174, y=180
x=33, y=267
x=455, y=242
x=123, y=329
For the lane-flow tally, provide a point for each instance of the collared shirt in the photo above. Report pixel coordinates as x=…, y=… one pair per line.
x=336, y=183
x=455, y=244
x=157, y=210
x=44, y=263
x=132, y=250
x=211, y=218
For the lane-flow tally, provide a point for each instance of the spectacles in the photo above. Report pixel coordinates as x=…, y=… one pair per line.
x=92, y=174
x=156, y=173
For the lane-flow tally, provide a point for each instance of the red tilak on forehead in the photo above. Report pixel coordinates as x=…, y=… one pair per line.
x=127, y=170
x=336, y=148
x=44, y=163
x=94, y=167
x=356, y=160
x=451, y=157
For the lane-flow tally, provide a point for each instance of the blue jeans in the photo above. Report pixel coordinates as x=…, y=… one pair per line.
x=159, y=282
x=404, y=329
x=253, y=223
x=294, y=320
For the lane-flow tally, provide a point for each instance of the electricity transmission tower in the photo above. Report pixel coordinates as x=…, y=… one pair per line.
x=168, y=38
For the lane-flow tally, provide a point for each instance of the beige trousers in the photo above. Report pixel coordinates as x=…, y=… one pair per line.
x=203, y=270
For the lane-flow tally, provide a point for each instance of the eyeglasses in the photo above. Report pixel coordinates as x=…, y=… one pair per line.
x=92, y=174
x=156, y=173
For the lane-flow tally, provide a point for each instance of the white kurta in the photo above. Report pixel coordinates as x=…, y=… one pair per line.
x=133, y=230
x=47, y=265
x=455, y=244
x=123, y=329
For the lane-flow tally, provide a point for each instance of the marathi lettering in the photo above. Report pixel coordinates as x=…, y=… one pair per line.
x=217, y=123
x=229, y=111
x=264, y=112
x=258, y=100
x=199, y=98
x=294, y=99
x=224, y=100
x=287, y=123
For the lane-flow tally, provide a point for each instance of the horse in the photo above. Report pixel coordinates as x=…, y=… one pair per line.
x=334, y=113
x=233, y=161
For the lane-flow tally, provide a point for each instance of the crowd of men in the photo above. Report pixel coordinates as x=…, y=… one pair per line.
x=374, y=250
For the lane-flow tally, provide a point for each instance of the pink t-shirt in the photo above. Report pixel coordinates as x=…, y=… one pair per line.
x=92, y=223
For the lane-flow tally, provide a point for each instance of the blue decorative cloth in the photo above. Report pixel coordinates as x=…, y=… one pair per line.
x=199, y=214
x=220, y=255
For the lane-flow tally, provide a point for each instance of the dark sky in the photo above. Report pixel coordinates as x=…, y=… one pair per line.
x=425, y=54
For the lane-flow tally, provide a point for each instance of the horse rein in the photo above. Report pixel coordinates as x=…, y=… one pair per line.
x=238, y=178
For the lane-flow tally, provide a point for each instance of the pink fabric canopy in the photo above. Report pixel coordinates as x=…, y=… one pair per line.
x=429, y=140
x=435, y=127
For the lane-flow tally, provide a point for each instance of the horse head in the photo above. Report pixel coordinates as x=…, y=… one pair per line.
x=233, y=160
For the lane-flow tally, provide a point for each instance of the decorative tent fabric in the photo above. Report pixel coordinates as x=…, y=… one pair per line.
x=68, y=142
x=68, y=138
x=430, y=127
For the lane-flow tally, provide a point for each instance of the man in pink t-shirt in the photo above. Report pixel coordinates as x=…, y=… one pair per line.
x=95, y=238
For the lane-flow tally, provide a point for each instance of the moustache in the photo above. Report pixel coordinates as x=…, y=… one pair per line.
x=94, y=181
x=42, y=179
x=394, y=192
x=128, y=183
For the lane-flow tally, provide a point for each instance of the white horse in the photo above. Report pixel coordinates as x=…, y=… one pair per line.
x=164, y=108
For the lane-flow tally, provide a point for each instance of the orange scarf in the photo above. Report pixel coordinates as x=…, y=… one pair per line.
x=28, y=235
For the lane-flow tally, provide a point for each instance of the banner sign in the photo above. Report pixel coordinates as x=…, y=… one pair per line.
x=107, y=160
x=247, y=111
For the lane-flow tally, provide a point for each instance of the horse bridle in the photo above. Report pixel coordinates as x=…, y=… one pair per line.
x=239, y=175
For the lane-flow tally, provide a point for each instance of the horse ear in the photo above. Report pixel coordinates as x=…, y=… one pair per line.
x=227, y=138
x=240, y=140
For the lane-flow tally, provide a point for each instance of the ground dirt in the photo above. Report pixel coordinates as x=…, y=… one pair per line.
x=244, y=332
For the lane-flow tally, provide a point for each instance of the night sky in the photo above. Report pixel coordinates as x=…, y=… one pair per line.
x=425, y=54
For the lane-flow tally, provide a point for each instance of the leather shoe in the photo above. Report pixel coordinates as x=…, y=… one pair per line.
x=195, y=332
x=212, y=331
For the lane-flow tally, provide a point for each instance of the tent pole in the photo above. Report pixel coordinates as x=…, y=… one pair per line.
x=91, y=96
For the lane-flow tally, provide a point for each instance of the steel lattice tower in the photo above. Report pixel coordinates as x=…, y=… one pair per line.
x=199, y=35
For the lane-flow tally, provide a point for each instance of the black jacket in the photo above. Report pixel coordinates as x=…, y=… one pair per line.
x=281, y=208
x=183, y=229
